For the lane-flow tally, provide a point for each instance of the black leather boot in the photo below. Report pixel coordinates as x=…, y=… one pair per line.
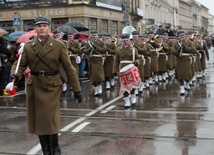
x=46, y=147
x=55, y=145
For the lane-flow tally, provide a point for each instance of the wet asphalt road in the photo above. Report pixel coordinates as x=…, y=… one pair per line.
x=162, y=123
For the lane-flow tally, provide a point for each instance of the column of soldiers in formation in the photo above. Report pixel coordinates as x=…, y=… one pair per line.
x=157, y=57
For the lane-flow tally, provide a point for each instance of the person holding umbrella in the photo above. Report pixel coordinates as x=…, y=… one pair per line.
x=44, y=55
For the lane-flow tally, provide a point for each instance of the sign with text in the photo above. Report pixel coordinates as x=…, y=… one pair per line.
x=30, y=3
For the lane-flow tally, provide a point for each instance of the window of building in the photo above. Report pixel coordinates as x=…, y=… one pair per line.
x=114, y=28
x=57, y=22
x=104, y=27
x=8, y=26
x=93, y=24
x=28, y=25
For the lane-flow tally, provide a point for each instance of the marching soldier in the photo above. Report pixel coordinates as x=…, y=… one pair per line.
x=141, y=51
x=126, y=54
x=96, y=48
x=154, y=56
x=109, y=61
x=58, y=36
x=203, y=50
x=147, y=56
x=171, y=56
x=74, y=49
x=162, y=59
x=183, y=72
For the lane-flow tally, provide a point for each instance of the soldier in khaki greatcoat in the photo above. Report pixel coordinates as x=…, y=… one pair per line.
x=162, y=59
x=154, y=57
x=171, y=56
x=124, y=56
x=147, y=56
x=58, y=35
x=203, y=50
x=96, y=49
x=183, y=71
x=109, y=61
x=43, y=55
x=74, y=49
x=137, y=43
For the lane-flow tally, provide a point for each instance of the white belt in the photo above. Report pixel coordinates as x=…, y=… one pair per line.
x=108, y=55
x=162, y=53
x=96, y=55
x=185, y=54
x=126, y=61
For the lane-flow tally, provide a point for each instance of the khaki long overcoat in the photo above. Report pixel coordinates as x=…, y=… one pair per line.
x=183, y=69
x=43, y=92
x=109, y=60
x=96, y=63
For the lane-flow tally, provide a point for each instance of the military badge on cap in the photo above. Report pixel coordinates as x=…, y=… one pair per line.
x=42, y=20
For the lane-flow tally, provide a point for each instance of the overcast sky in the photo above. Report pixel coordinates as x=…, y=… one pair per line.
x=209, y=4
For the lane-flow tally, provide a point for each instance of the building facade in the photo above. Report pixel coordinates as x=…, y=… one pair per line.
x=211, y=24
x=159, y=12
x=204, y=19
x=109, y=16
x=185, y=16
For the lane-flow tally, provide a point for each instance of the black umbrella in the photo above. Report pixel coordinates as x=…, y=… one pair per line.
x=77, y=25
x=67, y=29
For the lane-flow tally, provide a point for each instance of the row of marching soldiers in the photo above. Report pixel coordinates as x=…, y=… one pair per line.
x=157, y=58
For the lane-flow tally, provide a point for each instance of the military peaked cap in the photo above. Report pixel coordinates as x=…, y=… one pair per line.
x=125, y=36
x=42, y=20
x=94, y=32
x=135, y=33
x=57, y=31
x=160, y=37
x=143, y=36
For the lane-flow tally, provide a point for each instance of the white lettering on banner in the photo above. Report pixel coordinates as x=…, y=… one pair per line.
x=33, y=13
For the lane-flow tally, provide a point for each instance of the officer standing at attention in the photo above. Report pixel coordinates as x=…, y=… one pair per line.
x=44, y=55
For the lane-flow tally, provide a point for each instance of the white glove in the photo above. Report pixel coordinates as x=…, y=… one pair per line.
x=149, y=60
x=166, y=57
x=9, y=86
x=157, y=54
x=20, y=51
x=190, y=60
x=194, y=59
x=199, y=55
x=144, y=61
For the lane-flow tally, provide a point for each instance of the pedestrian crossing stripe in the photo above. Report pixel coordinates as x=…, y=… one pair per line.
x=16, y=22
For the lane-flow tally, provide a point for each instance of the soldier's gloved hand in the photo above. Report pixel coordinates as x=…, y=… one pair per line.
x=14, y=78
x=183, y=46
x=78, y=96
x=135, y=63
x=94, y=46
x=135, y=45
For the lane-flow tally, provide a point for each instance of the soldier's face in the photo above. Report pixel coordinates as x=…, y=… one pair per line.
x=94, y=36
x=42, y=30
x=57, y=36
x=135, y=37
x=126, y=42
